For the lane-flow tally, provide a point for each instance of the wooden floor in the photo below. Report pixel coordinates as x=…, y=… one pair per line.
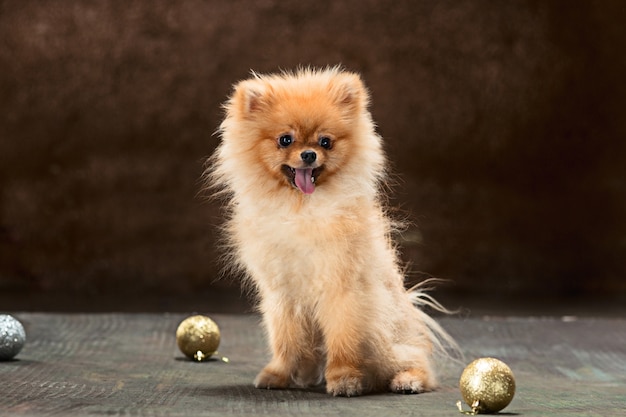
x=128, y=364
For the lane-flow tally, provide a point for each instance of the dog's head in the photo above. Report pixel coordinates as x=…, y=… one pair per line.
x=301, y=129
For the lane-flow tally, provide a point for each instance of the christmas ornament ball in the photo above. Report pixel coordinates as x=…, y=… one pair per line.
x=198, y=337
x=487, y=385
x=12, y=337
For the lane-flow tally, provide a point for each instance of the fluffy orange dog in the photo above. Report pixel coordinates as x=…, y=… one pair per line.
x=302, y=167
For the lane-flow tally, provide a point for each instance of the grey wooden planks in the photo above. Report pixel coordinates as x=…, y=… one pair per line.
x=128, y=364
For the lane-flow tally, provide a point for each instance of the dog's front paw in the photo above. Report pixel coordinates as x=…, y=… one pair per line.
x=270, y=379
x=412, y=381
x=347, y=386
x=344, y=384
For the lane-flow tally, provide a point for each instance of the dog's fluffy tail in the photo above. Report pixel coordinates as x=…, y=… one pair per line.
x=444, y=344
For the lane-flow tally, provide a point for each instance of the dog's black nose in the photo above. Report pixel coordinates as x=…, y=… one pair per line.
x=308, y=156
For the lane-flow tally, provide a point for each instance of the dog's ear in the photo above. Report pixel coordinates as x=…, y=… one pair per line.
x=250, y=97
x=349, y=92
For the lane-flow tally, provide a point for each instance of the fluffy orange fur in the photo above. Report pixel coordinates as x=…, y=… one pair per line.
x=301, y=166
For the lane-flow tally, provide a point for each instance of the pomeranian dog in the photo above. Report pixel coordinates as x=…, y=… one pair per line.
x=302, y=168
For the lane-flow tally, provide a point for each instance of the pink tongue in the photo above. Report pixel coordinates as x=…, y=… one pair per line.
x=304, y=180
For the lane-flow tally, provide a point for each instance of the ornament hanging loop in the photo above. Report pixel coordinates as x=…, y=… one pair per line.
x=475, y=408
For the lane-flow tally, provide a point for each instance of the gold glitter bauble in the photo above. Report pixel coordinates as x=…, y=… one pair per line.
x=487, y=385
x=198, y=337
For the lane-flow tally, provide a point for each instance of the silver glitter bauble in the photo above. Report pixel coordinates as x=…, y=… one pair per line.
x=12, y=337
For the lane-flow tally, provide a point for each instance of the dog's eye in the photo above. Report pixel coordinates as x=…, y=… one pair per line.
x=325, y=142
x=285, y=140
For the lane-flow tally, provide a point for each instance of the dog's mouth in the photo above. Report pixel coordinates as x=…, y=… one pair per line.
x=302, y=178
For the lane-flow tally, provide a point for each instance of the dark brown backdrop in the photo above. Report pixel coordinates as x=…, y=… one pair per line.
x=504, y=120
